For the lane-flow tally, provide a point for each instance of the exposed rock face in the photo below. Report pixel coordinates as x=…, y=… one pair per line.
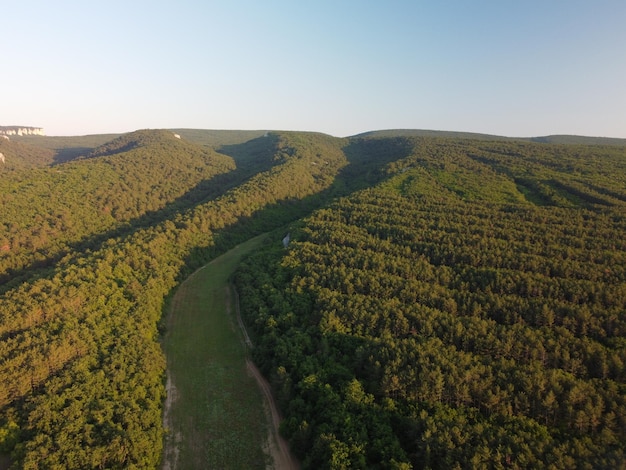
x=20, y=130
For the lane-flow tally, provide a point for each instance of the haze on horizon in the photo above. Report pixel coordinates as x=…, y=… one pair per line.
x=507, y=68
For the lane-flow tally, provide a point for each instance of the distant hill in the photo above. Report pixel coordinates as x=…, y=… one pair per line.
x=133, y=178
x=67, y=148
x=21, y=154
x=70, y=147
x=550, y=139
x=578, y=139
x=430, y=133
x=218, y=138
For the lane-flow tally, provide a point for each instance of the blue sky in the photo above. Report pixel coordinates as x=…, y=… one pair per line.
x=516, y=68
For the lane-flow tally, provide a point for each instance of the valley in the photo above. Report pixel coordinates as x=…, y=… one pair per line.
x=444, y=298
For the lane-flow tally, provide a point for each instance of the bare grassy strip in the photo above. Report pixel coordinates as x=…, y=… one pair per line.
x=215, y=418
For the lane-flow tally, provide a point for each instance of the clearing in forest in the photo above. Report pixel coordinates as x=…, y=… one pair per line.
x=214, y=415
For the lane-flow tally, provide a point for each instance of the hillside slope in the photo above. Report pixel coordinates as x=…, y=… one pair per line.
x=466, y=311
x=79, y=342
x=46, y=211
x=18, y=155
x=66, y=148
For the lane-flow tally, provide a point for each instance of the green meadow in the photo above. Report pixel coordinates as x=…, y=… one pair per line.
x=216, y=419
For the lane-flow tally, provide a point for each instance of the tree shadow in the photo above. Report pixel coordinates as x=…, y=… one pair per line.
x=367, y=160
x=68, y=154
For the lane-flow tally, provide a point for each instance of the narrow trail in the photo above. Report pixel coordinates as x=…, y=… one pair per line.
x=246, y=338
x=282, y=457
x=172, y=442
x=170, y=457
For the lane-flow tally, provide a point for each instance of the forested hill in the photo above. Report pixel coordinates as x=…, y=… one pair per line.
x=92, y=248
x=47, y=212
x=466, y=312
x=20, y=155
x=549, y=139
x=448, y=298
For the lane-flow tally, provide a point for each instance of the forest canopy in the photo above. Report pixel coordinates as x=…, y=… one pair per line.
x=466, y=311
x=443, y=300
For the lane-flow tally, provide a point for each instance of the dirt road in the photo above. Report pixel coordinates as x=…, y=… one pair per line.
x=278, y=447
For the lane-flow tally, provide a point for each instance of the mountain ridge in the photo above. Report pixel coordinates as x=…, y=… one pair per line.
x=220, y=137
x=549, y=139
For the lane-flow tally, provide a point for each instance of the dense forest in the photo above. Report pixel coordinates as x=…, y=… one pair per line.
x=468, y=311
x=82, y=368
x=444, y=301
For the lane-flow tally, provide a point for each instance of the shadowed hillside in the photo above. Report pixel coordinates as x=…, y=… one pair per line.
x=67, y=148
x=48, y=212
x=18, y=155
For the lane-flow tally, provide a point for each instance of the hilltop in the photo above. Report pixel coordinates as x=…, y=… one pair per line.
x=69, y=147
x=550, y=139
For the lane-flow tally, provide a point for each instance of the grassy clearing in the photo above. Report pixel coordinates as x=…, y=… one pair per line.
x=217, y=418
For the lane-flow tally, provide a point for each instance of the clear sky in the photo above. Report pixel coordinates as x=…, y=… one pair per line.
x=506, y=67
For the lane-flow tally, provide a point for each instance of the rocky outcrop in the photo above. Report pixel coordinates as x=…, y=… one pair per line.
x=20, y=130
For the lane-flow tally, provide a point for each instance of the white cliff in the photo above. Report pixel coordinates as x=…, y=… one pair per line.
x=20, y=130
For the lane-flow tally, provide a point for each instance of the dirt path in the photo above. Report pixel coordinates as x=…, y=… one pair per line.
x=172, y=441
x=278, y=447
x=246, y=338
x=280, y=455
x=170, y=457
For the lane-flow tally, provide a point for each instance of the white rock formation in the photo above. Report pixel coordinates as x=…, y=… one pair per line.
x=20, y=130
